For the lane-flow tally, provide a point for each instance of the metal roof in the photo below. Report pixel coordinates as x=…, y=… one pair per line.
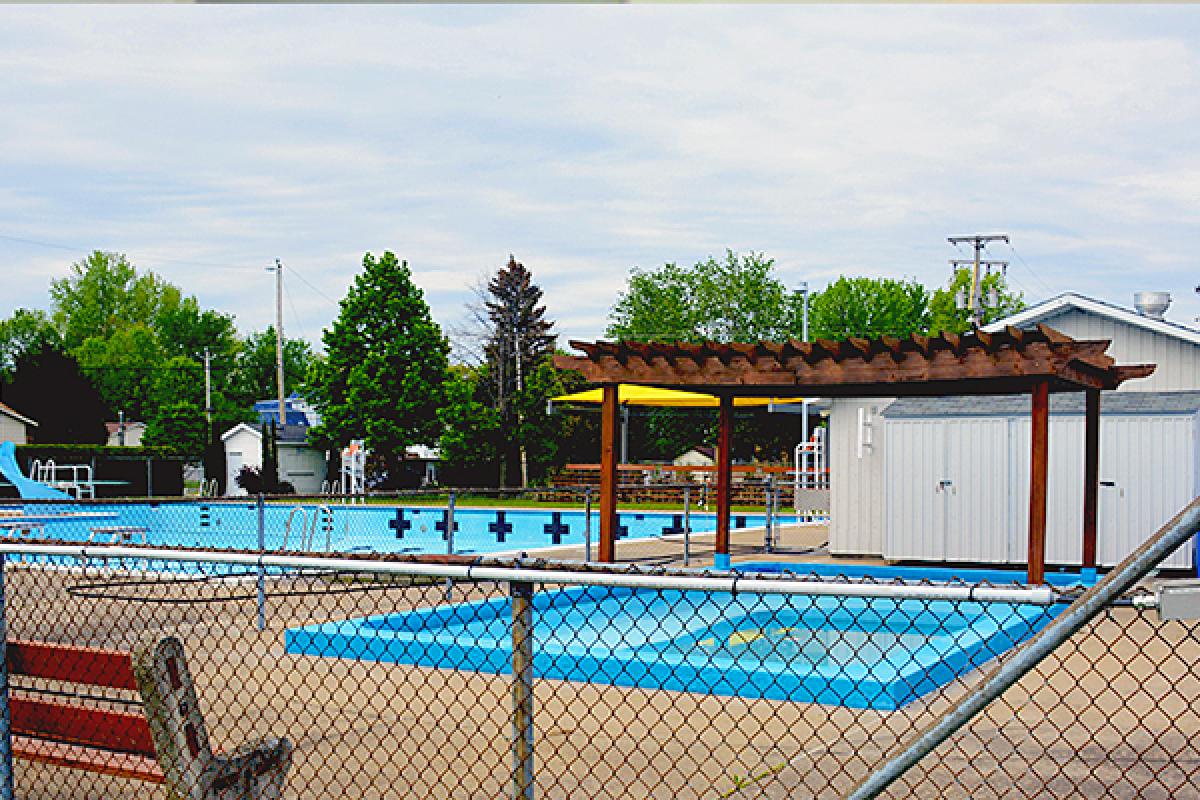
x=1146, y=403
x=1048, y=309
x=981, y=362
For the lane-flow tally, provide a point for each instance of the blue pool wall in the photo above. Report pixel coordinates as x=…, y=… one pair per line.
x=476, y=637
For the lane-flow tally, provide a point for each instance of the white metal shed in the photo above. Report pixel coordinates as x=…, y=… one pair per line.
x=956, y=476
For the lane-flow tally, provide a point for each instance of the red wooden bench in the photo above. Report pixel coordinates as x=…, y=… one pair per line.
x=166, y=743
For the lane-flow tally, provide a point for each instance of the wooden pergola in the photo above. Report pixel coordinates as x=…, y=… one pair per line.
x=1013, y=361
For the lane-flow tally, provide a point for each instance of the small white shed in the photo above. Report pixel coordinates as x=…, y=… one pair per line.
x=299, y=464
x=956, y=476
x=14, y=427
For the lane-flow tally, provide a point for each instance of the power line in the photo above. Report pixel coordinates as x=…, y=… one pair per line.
x=1032, y=271
x=72, y=248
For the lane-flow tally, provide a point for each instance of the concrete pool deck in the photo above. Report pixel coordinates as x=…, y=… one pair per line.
x=381, y=730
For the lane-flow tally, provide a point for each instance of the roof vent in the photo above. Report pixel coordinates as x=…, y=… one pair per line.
x=1152, y=304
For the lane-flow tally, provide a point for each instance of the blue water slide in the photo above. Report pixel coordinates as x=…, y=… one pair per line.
x=25, y=487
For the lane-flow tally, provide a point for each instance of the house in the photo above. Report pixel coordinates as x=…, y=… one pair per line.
x=125, y=434
x=299, y=464
x=14, y=426
x=944, y=479
x=701, y=456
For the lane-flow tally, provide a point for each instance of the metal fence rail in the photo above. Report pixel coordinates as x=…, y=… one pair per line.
x=471, y=675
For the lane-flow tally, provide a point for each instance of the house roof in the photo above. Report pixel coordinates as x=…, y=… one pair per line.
x=1005, y=362
x=1068, y=301
x=115, y=427
x=287, y=434
x=8, y=411
x=1149, y=403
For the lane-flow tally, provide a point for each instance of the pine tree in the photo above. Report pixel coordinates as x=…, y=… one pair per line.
x=520, y=340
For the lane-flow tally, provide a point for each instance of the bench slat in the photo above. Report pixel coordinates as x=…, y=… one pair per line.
x=80, y=725
x=105, y=762
x=88, y=665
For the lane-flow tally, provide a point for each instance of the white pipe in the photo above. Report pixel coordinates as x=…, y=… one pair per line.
x=1039, y=596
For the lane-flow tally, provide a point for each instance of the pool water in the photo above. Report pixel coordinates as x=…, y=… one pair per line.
x=860, y=653
x=367, y=528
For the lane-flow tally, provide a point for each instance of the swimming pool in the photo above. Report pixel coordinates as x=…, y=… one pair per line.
x=365, y=528
x=860, y=653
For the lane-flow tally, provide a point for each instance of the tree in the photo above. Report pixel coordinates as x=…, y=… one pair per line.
x=945, y=315
x=737, y=299
x=124, y=367
x=253, y=378
x=24, y=331
x=48, y=386
x=179, y=428
x=383, y=378
x=103, y=294
x=869, y=307
x=186, y=330
x=470, y=438
x=519, y=338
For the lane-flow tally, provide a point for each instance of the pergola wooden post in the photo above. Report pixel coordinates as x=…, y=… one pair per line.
x=1008, y=362
x=1038, y=474
x=724, y=480
x=1091, y=474
x=609, y=432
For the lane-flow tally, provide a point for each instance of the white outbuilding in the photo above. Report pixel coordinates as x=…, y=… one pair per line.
x=947, y=479
x=299, y=464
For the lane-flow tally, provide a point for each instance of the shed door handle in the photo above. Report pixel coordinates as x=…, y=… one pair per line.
x=1110, y=484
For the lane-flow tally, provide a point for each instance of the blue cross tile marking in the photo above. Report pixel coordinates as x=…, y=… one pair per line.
x=639, y=517
x=441, y=524
x=556, y=528
x=676, y=525
x=739, y=522
x=400, y=524
x=622, y=530
x=500, y=527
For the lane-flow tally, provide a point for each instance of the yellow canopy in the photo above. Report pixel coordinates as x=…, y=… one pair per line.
x=634, y=395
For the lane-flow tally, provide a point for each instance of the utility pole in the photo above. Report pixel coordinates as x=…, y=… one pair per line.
x=208, y=388
x=278, y=270
x=520, y=388
x=979, y=241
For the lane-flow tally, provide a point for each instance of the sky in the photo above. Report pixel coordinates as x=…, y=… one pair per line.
x=206, y=141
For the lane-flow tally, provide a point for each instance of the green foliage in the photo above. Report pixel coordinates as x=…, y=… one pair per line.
x=78, y=453
x=269, y=473
x=868, y=307
x=386, y=365
x=738, y=299
x=945, y=315
x=470, y=439
x=26, y=330
x=253, y=378
x=48, y=386
x=103, y=294
x=178, y=429
x=124, y=367
x=186, y=330
x=178, y=380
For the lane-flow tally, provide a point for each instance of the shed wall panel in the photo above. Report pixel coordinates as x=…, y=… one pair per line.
x=856, y=495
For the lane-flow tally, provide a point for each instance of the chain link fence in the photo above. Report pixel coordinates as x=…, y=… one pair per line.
x=419, y=674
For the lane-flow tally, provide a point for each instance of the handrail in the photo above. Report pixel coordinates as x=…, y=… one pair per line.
x=287, y=528
x=1038, y=596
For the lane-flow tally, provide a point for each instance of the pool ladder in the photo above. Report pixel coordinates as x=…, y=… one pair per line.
x=322, y=520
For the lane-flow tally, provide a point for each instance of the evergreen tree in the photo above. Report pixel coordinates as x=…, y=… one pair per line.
x=520, y=339
x=48, y=387
x=383, y=378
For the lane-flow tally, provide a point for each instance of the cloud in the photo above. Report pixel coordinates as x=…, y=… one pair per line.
x=207, y=141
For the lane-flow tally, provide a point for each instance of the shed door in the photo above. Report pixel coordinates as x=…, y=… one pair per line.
x=974, y=489
x=914, y=469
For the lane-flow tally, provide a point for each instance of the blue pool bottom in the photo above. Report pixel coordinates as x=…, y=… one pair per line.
x=860, y=653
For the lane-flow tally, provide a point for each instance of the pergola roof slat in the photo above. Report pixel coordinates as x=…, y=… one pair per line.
x=997, y=363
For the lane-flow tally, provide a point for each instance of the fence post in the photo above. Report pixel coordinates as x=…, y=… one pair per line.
x=450, y=539
x=587, y=524
x=522, y=689
x=769, y=520
x=6, y=764
x=262, y=575
x=687, y=525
